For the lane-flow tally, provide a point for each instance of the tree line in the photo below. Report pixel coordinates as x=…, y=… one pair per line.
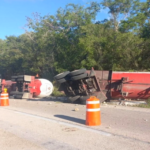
x=74, y=39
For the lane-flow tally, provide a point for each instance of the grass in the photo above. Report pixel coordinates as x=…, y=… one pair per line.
x=56, y=92
x=145, y=105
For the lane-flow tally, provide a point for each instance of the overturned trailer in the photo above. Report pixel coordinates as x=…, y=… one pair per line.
x=80, y=84
x=26, y=86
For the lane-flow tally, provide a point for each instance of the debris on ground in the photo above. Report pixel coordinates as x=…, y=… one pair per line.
x=76, y=109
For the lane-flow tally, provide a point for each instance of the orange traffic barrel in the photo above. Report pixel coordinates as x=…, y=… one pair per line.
x=93, y=116
x=4, y=99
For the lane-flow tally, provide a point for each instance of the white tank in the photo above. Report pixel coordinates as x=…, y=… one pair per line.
x=46, y=88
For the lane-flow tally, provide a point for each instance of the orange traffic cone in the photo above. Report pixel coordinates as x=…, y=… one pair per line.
x=4, y=100
x=93, y=116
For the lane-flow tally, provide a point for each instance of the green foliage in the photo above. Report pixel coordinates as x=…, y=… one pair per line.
x=56, y=91
x=71, y=40
x=145, y=105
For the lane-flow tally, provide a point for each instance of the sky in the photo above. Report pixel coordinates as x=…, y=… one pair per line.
x=13, y=13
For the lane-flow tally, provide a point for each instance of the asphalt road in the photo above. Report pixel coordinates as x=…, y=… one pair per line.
x=50, y=125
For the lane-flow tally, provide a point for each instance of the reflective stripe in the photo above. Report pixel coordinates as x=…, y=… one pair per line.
x=97, y=109
x=92, y=102
x=4, y=98
x=4, y=94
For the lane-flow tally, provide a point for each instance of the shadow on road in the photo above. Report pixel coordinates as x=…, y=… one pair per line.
x=40, y=99
x=77, y=120
x=46, y=99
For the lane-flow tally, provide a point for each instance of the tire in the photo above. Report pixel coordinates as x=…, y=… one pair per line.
x=61, y=80
x=73, y=98
x=16, y=93
x=20, y=79
x=83, y=99
x=18, y=96
x=13, y=80
x=61, y=75
x=77, y=72
x=11, y=97
x=81, y=76
x=20, y=76
x=13, y=77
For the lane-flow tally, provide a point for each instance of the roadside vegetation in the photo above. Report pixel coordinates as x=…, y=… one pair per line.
x=74, y=38
x=56, y=91
x=145, y=105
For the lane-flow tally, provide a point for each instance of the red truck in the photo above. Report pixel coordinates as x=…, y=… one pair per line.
x=26, y=86
x=80, y=84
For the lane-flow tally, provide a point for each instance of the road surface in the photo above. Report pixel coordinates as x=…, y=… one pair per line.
x=52, y=125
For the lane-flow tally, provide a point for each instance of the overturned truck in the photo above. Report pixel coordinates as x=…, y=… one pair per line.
x=26, y=86
x=80, y=84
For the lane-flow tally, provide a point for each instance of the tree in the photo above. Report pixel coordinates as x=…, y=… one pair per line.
x=119, y=10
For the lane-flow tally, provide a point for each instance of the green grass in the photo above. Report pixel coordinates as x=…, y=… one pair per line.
x=145, y=105
x=56, y=92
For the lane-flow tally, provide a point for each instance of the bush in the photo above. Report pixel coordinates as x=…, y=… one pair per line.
x=56, y=91
x=145, y=105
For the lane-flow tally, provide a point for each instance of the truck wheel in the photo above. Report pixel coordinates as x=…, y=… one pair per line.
x=13, y=78
x=16, y=93
x=18, y=96
x=61, y=75
x=81, y=76
x=61, y=80
x=20, y=79
x=83, y=99
x=20, y=76
x=73, y=98
x=77, y=72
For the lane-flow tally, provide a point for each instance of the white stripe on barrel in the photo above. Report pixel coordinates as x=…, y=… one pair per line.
x=4, y=98
x=92, y=102
x=93, y=110
x=4, y=94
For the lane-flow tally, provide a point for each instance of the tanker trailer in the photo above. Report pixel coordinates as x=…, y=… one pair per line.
x=130, y=85
x=80, y=84
x=25, y=86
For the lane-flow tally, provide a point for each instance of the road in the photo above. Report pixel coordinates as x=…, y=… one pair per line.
x=52, y=125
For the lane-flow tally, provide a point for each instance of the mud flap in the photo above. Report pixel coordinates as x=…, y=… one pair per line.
x=102, y=97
